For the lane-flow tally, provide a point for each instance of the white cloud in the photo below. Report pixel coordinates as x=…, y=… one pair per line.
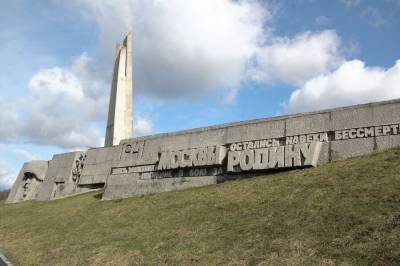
x=352, y=83
x=50, y=83
x=294, y=61
x=351, y=3
x=7, y=178
x=64, y=105
x=25, y=155
x=230, y=97
x=187, y=48
x=9, y=120
x=351, y=49
x=374, y=17
x=183, y=48
x=142, y=126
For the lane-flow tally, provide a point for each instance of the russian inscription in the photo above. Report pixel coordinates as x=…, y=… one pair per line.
x=366, y=132
x=257, y=144
x=322, y=137
x=257, y=155
x=192, y=158
x=297, y=155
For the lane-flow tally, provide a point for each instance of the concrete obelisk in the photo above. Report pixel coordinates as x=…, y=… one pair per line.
x=119, y=123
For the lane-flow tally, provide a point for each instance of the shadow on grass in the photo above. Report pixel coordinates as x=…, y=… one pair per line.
x=99, y=195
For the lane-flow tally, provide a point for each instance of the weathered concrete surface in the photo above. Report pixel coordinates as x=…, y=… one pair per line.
x=97, y=166
x=29, y=179
x=341, y=133
x=123, y=187
x=60, y=181
x=119, y=123
x=209, y=155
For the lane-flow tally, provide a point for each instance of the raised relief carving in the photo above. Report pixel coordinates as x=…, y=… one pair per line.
x=367, y=132
x=297, y=155
x=132, y=150
x=246, y=156
x=77, y=170
x=30, y=183
x=192, y=158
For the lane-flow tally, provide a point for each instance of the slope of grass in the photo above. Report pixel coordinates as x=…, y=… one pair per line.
x=345, y=213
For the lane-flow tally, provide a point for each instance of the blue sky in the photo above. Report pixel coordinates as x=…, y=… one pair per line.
x=196, y=63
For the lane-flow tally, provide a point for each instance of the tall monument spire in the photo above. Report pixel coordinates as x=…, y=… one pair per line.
x=119, y=123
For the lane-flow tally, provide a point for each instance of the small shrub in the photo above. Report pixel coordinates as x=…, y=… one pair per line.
x=4, y=194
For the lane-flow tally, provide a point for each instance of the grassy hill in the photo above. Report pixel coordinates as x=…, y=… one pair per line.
x=344, y=213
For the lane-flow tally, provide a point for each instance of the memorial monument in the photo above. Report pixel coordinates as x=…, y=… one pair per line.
x=129, y=166
x=119, y=123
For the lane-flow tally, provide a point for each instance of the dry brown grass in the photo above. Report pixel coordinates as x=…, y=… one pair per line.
x=345, y=213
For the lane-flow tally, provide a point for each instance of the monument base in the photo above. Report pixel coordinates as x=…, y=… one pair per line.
x=205, y=156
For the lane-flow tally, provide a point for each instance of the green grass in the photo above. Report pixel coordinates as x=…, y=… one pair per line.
x=344, y=213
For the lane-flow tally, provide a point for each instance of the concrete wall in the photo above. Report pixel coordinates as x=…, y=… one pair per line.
x=58, y=182
x=348, y=123
x=29, y=180
x=97, y=165
x=209, y=155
